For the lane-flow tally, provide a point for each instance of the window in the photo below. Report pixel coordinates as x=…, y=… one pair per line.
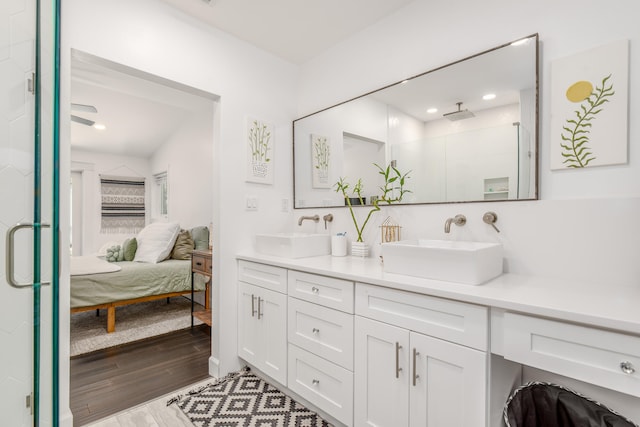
x=161, y=195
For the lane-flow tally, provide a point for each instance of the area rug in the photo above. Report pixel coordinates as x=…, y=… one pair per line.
x=242, y=399
x=133, y=322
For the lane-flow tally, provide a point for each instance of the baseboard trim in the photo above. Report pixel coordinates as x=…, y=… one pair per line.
x=66, y=419
x=214, y=367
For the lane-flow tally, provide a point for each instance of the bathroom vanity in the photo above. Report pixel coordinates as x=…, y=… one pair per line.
x=365, y=347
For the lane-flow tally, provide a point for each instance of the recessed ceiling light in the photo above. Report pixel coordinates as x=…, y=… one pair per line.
x=489, y=96
x=99, y=126
x=432, y=110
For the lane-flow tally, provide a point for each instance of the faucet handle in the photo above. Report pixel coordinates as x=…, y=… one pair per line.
x=460, y=220
x=491, y=218
x=327, y=218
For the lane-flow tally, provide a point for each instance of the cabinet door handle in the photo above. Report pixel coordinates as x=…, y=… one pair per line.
x=315, y=290
x=315, y=330
x=315, y=382
x=260, y=314
x=415, y=372
x=627, y=367
x=398, y=368
x=253, y=305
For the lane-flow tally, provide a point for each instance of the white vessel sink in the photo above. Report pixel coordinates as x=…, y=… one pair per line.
x=472, y=263
x=293, y=245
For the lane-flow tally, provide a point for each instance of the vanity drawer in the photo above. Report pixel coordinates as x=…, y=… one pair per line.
x=453, y=321
x=324, y=384
x=327, y=291
x=601, y=357
x=266, y=276
x=323, y=331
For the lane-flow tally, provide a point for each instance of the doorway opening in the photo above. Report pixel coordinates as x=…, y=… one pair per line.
x=132, y=126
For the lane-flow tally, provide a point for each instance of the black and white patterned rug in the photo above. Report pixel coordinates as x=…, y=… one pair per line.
x=242, y=399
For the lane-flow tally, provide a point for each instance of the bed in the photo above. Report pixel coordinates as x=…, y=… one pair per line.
x=97, y=284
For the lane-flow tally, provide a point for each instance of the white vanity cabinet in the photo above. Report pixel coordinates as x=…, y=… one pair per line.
x=320, y=334
x=598, y=356
x=400, y=351
x=404, y=374
x=262, y=318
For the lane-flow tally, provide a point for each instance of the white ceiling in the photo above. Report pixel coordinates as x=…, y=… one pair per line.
x=139, y=111
x=296, y=30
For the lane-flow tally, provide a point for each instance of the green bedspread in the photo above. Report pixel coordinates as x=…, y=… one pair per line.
x=134, y=280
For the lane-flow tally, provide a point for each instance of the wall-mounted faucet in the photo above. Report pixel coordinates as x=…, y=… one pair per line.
x=314, y=218
x=327, y=218
x=459, y=220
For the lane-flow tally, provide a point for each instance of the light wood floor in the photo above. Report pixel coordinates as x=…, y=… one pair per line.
x=154, y=413
x=109, y=381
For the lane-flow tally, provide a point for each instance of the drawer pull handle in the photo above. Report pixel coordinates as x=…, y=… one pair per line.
x=315, y=382
x=415, y=373
x=315, y=290
x=198, y=264
x=316, y=331
x=627, y=367
x=253, y=305
x=398, y=368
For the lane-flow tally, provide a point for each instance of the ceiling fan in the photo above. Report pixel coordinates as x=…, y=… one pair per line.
x=85, y=109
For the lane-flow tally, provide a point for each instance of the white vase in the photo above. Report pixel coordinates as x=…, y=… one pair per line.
x=359, y=249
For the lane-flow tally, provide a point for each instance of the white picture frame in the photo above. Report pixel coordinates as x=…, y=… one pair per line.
x=589, y=108
x=320, y=161
x=260, y=144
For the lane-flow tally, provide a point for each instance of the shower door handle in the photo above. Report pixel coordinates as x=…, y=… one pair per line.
x=10, y=258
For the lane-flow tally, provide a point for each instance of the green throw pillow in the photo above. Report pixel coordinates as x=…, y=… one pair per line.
x=115, y=254
x=183, y=247
x=129, y=248
x=200, y=237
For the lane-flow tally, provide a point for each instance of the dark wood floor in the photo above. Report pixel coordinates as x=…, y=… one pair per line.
x=111, y=380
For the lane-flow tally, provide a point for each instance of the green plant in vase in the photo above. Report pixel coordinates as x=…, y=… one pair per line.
x=391, y=192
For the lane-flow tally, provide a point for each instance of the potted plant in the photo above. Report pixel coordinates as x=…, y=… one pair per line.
x=391, y=192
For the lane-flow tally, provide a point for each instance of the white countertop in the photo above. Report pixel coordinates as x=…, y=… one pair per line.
x=605, y=305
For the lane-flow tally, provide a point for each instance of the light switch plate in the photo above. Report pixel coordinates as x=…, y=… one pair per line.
x=251, y=203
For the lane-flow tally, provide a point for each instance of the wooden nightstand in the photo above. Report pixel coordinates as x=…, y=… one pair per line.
x=202, y=263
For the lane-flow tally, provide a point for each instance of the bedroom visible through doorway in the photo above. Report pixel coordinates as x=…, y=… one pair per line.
x=153, y=138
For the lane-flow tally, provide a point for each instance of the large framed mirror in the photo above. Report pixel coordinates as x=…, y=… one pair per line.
x=467, y=131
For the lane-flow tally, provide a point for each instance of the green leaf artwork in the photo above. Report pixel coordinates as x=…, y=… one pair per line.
x=259, y=141
x=575, y=135
x=321, y=153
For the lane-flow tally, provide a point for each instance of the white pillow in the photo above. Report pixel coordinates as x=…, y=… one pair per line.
x=155, y=242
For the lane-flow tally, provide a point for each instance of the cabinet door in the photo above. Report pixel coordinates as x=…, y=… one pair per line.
x=381, y=374
x=272, y=317
x=248, y=326
x=262, y=330
x=448, y=384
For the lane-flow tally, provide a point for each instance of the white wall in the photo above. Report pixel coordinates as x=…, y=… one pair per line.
x=92, y=165
x=151, y=36
x=584, y=227
x=187, y=155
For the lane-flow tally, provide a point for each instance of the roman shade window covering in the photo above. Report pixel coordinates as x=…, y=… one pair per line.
x=123, y=209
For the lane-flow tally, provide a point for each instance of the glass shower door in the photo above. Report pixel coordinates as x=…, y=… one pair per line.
x=28, y=332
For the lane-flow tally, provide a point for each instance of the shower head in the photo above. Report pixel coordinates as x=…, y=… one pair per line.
x=460, y=114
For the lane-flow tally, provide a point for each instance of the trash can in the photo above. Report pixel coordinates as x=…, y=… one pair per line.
x=538, y=404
